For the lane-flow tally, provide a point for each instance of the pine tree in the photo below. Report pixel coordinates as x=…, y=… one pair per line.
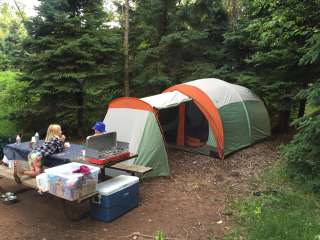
x=268, y=45
x=175, y=41
x=12, y=33
x=71, y=63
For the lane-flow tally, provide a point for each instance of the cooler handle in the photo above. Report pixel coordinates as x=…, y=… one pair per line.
x=96, y=200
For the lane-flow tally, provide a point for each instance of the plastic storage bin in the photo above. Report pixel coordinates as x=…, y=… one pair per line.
x=63, y=183
x=116, y=196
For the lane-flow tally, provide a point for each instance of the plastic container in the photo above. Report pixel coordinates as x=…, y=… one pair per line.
x=42, y=182
x=63, y=183
x=116, y=197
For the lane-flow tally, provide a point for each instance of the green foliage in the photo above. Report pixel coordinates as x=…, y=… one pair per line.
x=286, y=214
x=12, y=100
x=302, y=153
x=72, y=64
x=174, y=42
x=274, y=38
x=12, y=33
x=313, y=50
x=159, y=236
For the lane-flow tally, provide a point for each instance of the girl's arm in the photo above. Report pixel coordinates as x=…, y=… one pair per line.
x=32, y=173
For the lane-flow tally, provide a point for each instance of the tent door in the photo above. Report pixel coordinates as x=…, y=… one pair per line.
x=184, y=125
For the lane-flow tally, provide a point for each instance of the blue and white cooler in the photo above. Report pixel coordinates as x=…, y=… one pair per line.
x=116, y=197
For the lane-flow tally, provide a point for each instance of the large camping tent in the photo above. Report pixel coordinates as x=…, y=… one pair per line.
x=224, y=117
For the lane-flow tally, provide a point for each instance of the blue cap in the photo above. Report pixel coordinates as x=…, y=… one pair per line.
x=99, y=126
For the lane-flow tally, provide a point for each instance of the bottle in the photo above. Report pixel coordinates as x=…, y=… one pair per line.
x=32, y=143
x=18, y=139
x=36, y=136
x=83, y=154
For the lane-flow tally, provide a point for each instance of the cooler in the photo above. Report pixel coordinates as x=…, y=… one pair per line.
x=116, y=196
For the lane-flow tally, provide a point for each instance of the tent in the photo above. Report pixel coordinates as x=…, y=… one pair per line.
x=221, y=116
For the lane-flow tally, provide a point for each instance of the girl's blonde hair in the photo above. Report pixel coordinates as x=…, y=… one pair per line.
x=54, y=130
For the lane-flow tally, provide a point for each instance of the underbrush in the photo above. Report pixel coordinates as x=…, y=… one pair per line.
x=284, y=211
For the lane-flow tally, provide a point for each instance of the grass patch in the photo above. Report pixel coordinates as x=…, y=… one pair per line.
x=286, y=212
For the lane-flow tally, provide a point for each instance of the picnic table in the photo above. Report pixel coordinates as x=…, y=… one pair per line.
x=71, y=154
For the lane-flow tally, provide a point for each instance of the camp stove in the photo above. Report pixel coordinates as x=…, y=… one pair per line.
x=108, y=156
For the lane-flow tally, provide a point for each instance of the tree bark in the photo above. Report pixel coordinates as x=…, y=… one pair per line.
x=302, y=107
x=234, y=12
x=302, y=102
x=283, y=123
x=163, y=21
x=126, y=49
x=80, y=112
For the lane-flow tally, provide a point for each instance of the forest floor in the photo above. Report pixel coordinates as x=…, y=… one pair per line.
x=190, y=205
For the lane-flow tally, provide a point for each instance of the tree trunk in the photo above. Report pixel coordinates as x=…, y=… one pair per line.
x=302, y=102
x=126, y=49
x=163, y=21
x=234, y=13
x=302, y=107
x=80, y=112
x=283, y=123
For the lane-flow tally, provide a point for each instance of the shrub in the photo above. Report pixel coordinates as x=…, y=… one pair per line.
x=303, y=152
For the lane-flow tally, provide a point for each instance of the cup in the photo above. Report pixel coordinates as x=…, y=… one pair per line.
x=83, y=154
x=67, y=145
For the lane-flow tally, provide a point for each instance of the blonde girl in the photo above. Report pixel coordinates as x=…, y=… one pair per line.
x=54, y=143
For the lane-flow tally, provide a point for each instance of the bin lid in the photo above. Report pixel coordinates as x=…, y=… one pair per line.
x=70, y=167
x=116, y=184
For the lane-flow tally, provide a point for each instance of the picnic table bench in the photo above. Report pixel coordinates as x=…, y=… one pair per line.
x=25, y=180
x=131, y=168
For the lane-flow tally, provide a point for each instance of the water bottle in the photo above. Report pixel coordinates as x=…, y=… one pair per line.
x=18, y=139
x=36, y=136
x=32, y=143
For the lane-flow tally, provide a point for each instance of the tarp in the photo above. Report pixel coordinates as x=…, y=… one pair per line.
x=166, y=100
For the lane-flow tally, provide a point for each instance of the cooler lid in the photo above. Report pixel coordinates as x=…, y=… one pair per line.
x=116, y=184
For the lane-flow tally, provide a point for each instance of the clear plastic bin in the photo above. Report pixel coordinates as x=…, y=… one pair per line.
x=65, y=184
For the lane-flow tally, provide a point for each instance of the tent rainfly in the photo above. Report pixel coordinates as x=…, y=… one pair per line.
x=224, y=117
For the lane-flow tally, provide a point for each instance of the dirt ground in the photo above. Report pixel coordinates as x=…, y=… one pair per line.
x=188, y=205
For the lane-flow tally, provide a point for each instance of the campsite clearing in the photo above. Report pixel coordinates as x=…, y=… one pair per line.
x=188, y=205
